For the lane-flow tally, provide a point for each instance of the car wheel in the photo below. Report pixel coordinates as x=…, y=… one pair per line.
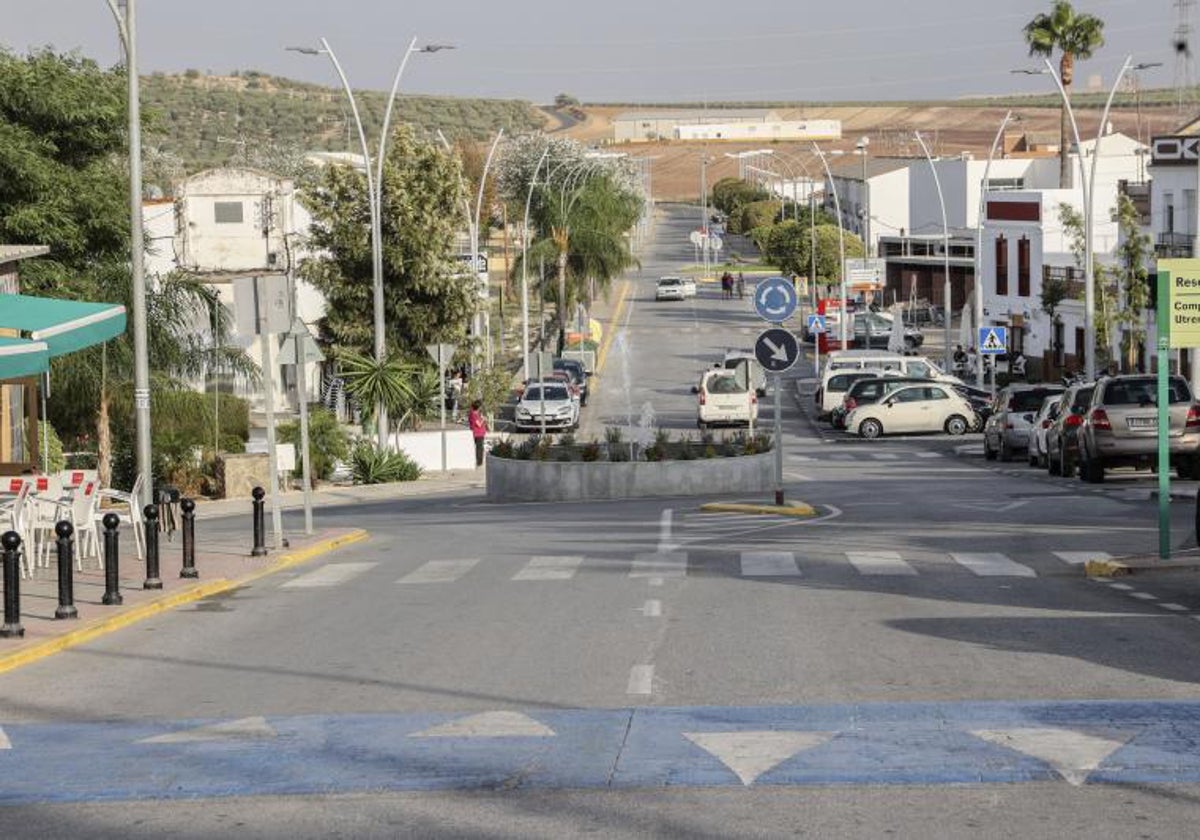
x=1052, y=466
x=870, y=429
x=989, y=454
x=1005, y=450
x=1066, y=467
x=956, y=425
x=1091, y=470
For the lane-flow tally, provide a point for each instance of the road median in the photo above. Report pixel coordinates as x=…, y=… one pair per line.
x=793, y=509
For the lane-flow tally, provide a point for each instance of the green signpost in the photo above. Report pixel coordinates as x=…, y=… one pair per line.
x=1178, y=311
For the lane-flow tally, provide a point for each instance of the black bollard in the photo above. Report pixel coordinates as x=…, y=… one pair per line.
x=260, y=524
x=112, y=561
x=66, y=583
x=189, y=539
x=11, y=544
x=150, y=514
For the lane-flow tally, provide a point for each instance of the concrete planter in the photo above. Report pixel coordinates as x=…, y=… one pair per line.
x=510, y=480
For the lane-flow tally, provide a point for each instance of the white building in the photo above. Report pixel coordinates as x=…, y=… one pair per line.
x=647, y=126
x=877, y=188
x=764, y=131
x=226, y=224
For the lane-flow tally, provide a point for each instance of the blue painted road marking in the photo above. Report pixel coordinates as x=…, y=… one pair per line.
x=870, y=744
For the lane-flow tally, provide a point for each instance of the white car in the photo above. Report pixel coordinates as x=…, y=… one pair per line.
x=546, y=405
x=670, y=288
x=689, y=286
x=723, y=400
x=1042, y=422
x=932, y=407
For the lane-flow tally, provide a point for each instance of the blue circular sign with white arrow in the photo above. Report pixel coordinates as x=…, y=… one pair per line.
x=775, y=299
x=776, y=349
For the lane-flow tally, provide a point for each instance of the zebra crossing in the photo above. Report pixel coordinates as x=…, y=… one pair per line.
x=756, y=564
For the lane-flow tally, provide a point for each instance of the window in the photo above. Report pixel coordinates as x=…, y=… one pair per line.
x=1169, y=212
x=1023, y=267
x=935, y=394
x=910, y=395
x=1001, y=265
x=995, y=184
x=227, y=212
x=920, y=369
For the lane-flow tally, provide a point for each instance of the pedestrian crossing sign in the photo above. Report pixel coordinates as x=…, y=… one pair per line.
x=816, y=324
x=993, y=340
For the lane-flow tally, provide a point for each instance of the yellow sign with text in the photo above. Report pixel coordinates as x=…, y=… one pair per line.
x=1183, y=301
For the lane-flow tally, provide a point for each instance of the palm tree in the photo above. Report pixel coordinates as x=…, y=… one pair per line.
x=1076, y=36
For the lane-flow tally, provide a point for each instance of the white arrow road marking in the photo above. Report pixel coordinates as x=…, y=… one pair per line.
x=1073, y=755
x=330, y=575
x=244, y=729
x=750, y=754
x=652, y=608
x=5, y=744
x=990, y=507
x=489, y=725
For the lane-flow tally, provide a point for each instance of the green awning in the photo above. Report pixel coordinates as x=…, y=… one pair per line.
x=20, y=357
x=63, y=325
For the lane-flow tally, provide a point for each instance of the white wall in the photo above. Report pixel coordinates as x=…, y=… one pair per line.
x=793, y=130
x=889, y=202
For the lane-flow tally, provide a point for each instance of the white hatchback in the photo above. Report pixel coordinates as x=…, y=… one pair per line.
x=548, y=406
x=932, y=407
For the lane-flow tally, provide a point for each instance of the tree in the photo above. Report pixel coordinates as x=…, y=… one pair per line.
x=63, y=183
x=427, y=297
x=1133, y=254
x=1076, y=36
x=788, y=245
x=565, y=100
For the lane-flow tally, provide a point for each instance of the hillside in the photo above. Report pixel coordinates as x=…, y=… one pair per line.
x=205, y=120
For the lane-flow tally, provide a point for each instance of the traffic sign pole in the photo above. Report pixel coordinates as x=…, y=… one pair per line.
x=779, y=439
x=1164, y=429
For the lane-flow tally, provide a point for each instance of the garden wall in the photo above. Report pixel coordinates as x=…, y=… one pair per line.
x=510, y=480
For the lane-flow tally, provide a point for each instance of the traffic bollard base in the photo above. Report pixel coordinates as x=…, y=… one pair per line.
x=152, y=583
x=193, y=572
x=112, y=599
x=258, y=552
x=66, y=612
x=11, y=631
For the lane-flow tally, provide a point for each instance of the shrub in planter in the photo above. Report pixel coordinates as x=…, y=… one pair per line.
x=504, y=449
x=590, y=451
x=327, y=440
x=686, y=450
x=372, y=465
x=657, y=451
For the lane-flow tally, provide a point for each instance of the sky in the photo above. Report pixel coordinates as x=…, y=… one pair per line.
x=619, y=51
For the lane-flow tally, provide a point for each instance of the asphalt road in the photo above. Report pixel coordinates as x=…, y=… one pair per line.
x=923, y=659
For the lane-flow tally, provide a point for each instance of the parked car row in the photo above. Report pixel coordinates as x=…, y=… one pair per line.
x=1093, y=427
x=871, y=394
x=554, y=402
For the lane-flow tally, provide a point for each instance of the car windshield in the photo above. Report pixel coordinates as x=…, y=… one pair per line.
x=724, y=385
x=669, y=282
x=1023, y=401
x=551, y=393
x=1083, y=397
x=1144, y=391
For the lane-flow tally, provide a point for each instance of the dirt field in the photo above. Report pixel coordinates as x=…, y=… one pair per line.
x=950, y=130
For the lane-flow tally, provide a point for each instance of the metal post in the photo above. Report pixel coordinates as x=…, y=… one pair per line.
x=979, y=243
x=153, y=580
x=11, y=544
x=948, y=363
x=189, y=539
x=66, y=583
x=260, y=525
x=112, y=561
x=778, y=439
x=837, y=207
x=441, y=362
x=141, y=351
x=268, y=369
x=305, y=451
x=1164, y=444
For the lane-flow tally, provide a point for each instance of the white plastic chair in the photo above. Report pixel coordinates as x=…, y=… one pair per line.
x=132, y=515
x=47, y=506
x=14, y=515
x=82, y=516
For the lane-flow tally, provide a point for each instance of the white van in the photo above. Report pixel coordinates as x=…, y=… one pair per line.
x=723, y=399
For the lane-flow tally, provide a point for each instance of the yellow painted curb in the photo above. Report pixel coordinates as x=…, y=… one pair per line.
x=103, y=627
x=602, y=356
x=1106, y=568
x=798, y=509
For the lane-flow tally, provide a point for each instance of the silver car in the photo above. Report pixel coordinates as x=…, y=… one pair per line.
x=1007, y=429
x=550, y=406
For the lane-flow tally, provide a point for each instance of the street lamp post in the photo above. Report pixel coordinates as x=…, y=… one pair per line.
x=837, y=207
x=1008, y=117
x=1089, y=187
x=861, y=148
x=127, y=27
x=374, y=193
x=937, y=182
x=525, y=265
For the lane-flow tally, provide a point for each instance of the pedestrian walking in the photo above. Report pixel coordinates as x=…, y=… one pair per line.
x=741, y=285
x=478, y=424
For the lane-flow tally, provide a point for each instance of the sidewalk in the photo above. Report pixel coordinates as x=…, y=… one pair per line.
x=223, y=562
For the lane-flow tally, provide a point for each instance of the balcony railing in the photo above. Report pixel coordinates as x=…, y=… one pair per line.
x=1175, y=245
x=1073, y=276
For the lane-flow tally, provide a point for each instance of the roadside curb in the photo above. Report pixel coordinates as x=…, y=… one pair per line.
x=41, y=650
x=1140, y=565
x=793, y=509
x=614, y=319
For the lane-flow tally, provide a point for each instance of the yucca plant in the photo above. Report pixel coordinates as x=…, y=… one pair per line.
x=373, y=383
x=371, y=464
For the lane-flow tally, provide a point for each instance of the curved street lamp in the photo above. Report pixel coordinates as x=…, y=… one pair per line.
x=937, y=182
x=374, y=191
x=983, y=189
x=837, y=204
